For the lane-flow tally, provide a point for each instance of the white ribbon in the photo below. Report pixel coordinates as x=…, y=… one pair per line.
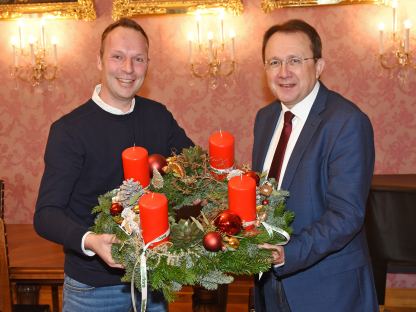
x=248, y=223
x=270, y=229
x=222, y=171
x=143, y=273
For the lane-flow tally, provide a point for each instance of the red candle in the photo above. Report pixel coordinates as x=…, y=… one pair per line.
x=153, y=217
x=135, y=165
x=242, y=198
x=221, y=150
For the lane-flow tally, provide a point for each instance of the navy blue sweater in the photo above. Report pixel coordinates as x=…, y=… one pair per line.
x=83, y=161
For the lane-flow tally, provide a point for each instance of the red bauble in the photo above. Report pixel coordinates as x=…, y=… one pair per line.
x=253, y=175
x=116, y=209
x=228, y=223
x=212, y=241
x=157, y=161
x=265, y=202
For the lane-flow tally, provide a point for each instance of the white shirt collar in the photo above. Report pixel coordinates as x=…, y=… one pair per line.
x=108, y=108
x=301, y=110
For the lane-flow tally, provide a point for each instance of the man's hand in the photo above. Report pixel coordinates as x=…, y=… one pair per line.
x=101, y=245
x=278, y=253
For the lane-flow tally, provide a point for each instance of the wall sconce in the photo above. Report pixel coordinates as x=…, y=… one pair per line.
x=35, y=58
x=394, y=49
x=212, y=54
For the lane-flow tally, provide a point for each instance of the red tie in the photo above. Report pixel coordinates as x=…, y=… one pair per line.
x=277, y=162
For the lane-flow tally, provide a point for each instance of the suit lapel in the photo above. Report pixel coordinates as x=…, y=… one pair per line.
x=269, y=125
x=309, y=129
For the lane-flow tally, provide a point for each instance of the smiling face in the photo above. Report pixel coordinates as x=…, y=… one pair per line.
x=123, y=66
x=291, y=84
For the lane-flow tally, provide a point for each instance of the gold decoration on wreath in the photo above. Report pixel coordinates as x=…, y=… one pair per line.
x=136, y=209
x=266, y=189
x=233, y=242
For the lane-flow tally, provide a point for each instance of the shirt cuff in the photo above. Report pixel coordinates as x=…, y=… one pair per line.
x=87, y=252
x=275, y=266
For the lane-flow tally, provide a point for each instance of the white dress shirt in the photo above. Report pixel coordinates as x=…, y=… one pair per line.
x=301, y=111
x=108, y=108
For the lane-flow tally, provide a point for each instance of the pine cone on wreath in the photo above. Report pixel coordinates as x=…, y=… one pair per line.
x=127, y=191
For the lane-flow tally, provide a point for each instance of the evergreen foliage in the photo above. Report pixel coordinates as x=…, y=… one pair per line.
x=184, y=261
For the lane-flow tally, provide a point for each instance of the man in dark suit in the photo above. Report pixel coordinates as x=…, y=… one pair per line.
x=327, y=165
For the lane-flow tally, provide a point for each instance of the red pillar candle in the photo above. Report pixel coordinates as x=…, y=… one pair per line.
x=153, y=217
x=221, y=150
x=136, y=165
x=242, y=198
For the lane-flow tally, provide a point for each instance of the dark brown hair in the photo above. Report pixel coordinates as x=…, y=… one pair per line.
x=123, y=22
x=293, y=26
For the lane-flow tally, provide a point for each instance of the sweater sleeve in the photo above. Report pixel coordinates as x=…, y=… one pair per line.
x=178, y=140
x=64, y=158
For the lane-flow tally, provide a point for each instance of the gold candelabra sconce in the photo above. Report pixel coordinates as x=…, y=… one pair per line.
x=212, y=54
x=395, y=53
x=35, y=58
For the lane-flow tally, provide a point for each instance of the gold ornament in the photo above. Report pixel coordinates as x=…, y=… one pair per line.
x=233, y=242
x=136, y=209
x=259, y=208
x=266, y=189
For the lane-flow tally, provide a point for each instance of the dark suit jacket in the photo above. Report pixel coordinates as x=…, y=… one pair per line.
x=328, y=176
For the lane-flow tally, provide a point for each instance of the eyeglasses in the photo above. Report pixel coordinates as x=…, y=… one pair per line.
x=292, y=62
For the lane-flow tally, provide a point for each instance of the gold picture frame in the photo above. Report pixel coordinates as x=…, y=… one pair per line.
x=129, y=8
x=270, y=5
x=80, y=9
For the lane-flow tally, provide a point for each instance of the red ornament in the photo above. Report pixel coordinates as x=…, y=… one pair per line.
x=157, y=161
x=228, y=223
x=116, y=209
x=253, y=175
x=265, y=202
x=212, y=241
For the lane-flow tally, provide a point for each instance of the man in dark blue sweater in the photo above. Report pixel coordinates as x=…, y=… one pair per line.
x=83, y=160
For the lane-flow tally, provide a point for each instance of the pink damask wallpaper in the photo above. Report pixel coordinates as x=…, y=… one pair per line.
x=350, y=45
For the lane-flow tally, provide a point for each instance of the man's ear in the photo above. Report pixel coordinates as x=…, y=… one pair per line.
x=99, y=63
x=319, y=67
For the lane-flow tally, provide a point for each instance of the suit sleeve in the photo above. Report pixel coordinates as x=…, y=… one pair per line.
x=346, y=180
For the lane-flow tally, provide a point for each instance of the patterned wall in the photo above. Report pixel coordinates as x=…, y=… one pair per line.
x=350, y=42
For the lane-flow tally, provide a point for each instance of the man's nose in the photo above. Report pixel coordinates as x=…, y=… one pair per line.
x=128, y=65
x=283, y=70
